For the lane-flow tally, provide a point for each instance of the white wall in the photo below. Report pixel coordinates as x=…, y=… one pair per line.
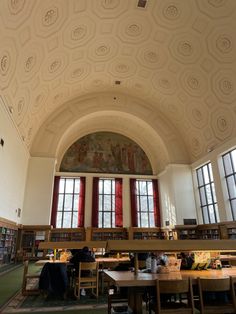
x=13, y=168
x=38, y=192
x=177, y=194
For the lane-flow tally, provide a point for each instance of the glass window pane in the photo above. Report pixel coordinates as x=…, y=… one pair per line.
x=151, y=219
x=60, y=202
x=233, y=155
x=150, y=188
x=100, y=187
x=231, y=187
x=205, y=215
x=233, y=207
x=200, y=177
x=145, y=220
x=68, y=202
x=107, y=186
x=227, y=164
x=206, y=174
x=210, y=173
x=107, y=220
x=100, y=202
x=202, y=196
x=212, y=214
x=75, y=220
x=100, y=219
x=61, y=185
x=208, y=194
x=76, y=202
x=77, y=186
x=143, y=203
x=69, y=185
x=59, y=220
x=67, y=220
x=107, y=203
x=113, y=199
x=142, y=188
x=150, y=203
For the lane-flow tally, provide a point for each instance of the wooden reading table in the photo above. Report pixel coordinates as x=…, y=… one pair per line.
x=135, y=281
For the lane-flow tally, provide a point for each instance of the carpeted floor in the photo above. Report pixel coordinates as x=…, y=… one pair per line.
x=87, y=304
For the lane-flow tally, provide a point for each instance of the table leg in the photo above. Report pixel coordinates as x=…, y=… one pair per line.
x=135, y=299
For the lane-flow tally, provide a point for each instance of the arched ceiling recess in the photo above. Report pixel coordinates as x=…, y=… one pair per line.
x=122, y=123
x=129, y=116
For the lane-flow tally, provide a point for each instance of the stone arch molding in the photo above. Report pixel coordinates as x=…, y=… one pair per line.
x=120, y=114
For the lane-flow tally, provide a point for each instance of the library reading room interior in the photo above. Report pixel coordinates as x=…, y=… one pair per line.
x=118, y=156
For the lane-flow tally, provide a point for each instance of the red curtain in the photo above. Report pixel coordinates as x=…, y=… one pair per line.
x=55, y=201
x=157, y=215
x=118, y=203
x=81, y=205
x=95, y=202
x=133, y=203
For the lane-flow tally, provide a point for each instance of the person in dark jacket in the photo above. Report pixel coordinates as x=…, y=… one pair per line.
x=53, y=280
x=83, y=255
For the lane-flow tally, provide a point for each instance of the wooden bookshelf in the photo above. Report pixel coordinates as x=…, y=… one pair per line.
x=136, y=233
x=8, y=240
x=67, y=234
x=30, y=237
x=208, y=232
x=186, y=232
x=104, y=234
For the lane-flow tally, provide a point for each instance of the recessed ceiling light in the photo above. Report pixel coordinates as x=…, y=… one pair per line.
x=142, y=3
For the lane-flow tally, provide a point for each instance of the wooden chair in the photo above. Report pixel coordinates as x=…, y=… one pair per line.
x=25, y=290
x=221, y=298
x=87, y=278
x=169, y=297
x=116, y=297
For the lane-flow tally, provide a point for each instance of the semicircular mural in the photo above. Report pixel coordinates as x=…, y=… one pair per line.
x=106, y=152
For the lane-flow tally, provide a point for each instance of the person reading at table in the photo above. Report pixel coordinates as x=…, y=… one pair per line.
x=83, y=255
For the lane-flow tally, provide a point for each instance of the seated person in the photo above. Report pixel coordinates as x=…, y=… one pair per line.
x=83, y=255
x=186, y=260
x=141, y=257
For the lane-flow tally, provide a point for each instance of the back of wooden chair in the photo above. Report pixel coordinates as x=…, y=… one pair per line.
x=174, y=288
x=87, y=278
x=25, y=290
x=221, y=303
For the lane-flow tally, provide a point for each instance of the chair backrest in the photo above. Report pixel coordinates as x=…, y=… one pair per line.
x=213, y=285
x=217, y=285
x=175, y=287
x=92, y=266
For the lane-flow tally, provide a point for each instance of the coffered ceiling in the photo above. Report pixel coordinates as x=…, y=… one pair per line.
x=163, y=74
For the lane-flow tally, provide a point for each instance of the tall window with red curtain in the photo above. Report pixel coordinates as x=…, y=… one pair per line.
x=144, y=197
x=68, y=202
x=107, y=211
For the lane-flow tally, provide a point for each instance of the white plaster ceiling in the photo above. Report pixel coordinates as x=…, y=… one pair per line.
x=175, y=60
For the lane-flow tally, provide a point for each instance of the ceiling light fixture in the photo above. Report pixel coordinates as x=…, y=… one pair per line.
x=142, y=3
